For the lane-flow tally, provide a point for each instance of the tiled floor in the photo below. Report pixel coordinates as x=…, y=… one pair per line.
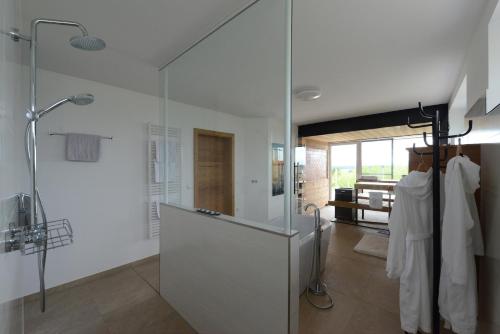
x=123, y=301
x=126, y=300
x=366, y=301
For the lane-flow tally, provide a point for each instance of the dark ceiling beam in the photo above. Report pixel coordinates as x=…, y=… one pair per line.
x=373, y=121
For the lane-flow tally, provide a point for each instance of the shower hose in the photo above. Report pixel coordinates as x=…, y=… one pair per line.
x=316, y=260
x=41, y=243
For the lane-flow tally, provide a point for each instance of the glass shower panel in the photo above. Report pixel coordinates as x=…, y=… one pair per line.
x=13, y=180
x=225, y=119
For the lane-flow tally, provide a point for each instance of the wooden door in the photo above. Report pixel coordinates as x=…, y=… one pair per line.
x=214, y=171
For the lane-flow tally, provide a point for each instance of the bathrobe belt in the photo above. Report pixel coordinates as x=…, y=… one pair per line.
x=418, y=236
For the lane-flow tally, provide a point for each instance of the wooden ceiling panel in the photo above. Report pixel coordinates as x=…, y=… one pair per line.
x=389, y=132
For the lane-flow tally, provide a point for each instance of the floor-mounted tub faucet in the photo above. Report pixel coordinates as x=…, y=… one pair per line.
x=316, y=286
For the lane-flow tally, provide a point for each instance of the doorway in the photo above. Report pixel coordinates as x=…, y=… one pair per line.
x=214, y=171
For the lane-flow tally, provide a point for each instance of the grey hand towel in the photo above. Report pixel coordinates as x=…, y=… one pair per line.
x=81, y=147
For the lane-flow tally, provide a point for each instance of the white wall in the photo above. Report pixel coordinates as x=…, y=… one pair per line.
x=458, y=109
x=253, y=139
x=475, y=70
x=486, y=130
x=258, y=167
x=105, y=201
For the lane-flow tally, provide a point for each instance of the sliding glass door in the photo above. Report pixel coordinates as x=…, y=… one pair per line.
x=377, y=159
x=343, y=166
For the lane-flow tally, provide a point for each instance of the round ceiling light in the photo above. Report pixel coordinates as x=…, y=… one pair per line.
x=307, y=93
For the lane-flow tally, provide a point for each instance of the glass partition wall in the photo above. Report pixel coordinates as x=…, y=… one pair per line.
x=225, y=118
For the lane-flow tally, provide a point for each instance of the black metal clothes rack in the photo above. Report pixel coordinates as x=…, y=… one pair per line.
x=439, y=135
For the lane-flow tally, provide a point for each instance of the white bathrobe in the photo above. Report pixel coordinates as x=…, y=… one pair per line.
x=461, y=240
x=410, y=249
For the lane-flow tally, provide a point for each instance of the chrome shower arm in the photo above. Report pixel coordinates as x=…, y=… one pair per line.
x=37, y=21
x=46, y=110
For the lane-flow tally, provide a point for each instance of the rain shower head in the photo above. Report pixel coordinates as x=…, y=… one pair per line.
x=79, y=100
x=88, y=43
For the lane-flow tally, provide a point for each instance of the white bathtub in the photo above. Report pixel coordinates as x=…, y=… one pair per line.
x=305, y=226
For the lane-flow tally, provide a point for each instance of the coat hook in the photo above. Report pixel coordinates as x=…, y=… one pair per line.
x=417, y=126
x=460, y=134
x=422, y=112
x=425, y=139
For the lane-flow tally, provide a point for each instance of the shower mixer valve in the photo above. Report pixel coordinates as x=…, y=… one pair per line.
x=20, y=237
x=12, y=238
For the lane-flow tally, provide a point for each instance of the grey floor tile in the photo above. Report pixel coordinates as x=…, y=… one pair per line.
x=69, y=309
x=123, y=288
x=151, y=313
x=149, y=271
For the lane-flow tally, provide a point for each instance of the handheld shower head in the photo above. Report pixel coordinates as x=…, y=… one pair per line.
x=79, y=100
x=82, y=99
x=86, y=42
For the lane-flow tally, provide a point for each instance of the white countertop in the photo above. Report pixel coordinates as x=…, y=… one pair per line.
x=240, y=221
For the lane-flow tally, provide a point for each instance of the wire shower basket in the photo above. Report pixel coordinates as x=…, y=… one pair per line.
x=59, y=234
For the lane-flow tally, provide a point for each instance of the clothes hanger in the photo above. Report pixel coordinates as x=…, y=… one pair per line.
x=421, y=165
x=459, y=148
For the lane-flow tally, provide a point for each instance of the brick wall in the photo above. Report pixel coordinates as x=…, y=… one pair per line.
x=316, y=188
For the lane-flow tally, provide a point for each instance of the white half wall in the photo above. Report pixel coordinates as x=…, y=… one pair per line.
x=105, y=201
x=224, y=277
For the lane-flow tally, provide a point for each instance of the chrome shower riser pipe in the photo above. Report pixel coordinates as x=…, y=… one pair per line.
x=33, y=106
x=84, y=42
x=32, y=144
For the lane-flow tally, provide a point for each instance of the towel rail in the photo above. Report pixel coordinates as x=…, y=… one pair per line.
x=64, y=134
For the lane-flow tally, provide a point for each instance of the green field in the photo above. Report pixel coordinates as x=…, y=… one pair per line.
x=345, y=177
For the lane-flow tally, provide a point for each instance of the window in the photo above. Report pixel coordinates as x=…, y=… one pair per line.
x=401, y=154
x=376, y=159
x=386, y=159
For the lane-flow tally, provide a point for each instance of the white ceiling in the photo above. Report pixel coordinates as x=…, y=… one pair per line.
x=141, y=35
x=367, y=56
x=374, y=56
